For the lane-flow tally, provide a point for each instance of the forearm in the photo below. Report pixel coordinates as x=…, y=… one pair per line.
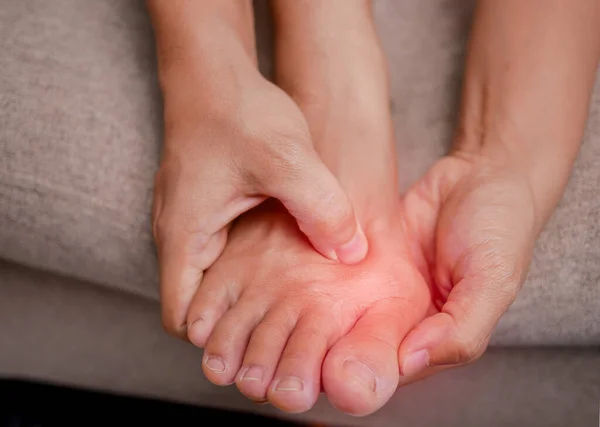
x=529, y=75
x=328, y=58
x=204, y=42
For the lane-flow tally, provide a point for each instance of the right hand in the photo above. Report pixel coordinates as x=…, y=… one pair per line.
x=224, y=153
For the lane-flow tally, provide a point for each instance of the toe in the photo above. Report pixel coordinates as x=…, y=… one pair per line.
x=227, y=342
x=360, y=373
x=296, y=383
x=210, y=302
x=263, y=352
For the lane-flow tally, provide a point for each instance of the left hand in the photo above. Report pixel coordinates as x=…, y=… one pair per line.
x=472, y=223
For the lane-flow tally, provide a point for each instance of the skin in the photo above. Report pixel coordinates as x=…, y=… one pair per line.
x=232, y=139
x=271, y=329
x=529, y=77
x=447, y=258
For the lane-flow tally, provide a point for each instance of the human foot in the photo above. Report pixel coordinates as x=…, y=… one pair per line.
x=272, y=313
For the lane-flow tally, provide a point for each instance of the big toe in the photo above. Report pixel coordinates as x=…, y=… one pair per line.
x=360, y=373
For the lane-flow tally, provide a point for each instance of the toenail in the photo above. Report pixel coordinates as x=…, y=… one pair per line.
x=253, y=373
x=289, y=384
x=215, y=364
x=415, y=362
x=361, y=374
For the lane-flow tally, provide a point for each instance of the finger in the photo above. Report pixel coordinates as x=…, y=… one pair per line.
x=323, y=210
x=190, y=230
x=182, y=260
x=459, y=333
x=425, y=373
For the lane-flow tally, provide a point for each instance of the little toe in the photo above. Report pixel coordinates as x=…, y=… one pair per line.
x=297, y=380
x=210, y=302
x=227, y=343
x=360, y=373
x=263, y=352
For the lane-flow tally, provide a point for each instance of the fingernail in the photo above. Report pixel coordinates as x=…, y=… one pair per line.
x=253, y=373
x=215, y=364
x=289, y=384
x=355, y=250
x=196, y=332
x=361, y=374
x=415, y=362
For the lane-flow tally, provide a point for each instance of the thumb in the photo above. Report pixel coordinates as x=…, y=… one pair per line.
x=460, y=332
x=323, y=210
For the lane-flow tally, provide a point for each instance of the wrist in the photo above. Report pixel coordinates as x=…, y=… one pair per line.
x=543, y=179
x=183, y=24
x=203, y=44
x=528, y=79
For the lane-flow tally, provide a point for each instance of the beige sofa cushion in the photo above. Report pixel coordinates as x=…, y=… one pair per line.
x=80, y=139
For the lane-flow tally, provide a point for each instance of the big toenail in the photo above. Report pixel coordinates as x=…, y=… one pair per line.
x=215, y=364
x=361, y=374
x=289, y=384
x=253, y=373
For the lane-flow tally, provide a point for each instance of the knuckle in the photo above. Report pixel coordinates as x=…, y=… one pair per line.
x=277, y=156
x=157, y=207
x=296, y=355
x=334, y=216
x=511, y=295
x=172, y=221
x=171, y=324
x=183, y=212
x=158, y=227
x=469, y=350
x=191, y=217
x=381, y=340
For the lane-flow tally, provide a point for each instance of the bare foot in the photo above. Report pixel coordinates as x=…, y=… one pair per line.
x=273, y=314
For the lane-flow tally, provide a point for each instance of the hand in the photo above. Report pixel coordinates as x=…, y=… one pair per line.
x=476, y=215
x=225, y=153
x=473, y=226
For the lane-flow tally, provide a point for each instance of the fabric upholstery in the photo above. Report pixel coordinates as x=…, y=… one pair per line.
x=80, y=134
